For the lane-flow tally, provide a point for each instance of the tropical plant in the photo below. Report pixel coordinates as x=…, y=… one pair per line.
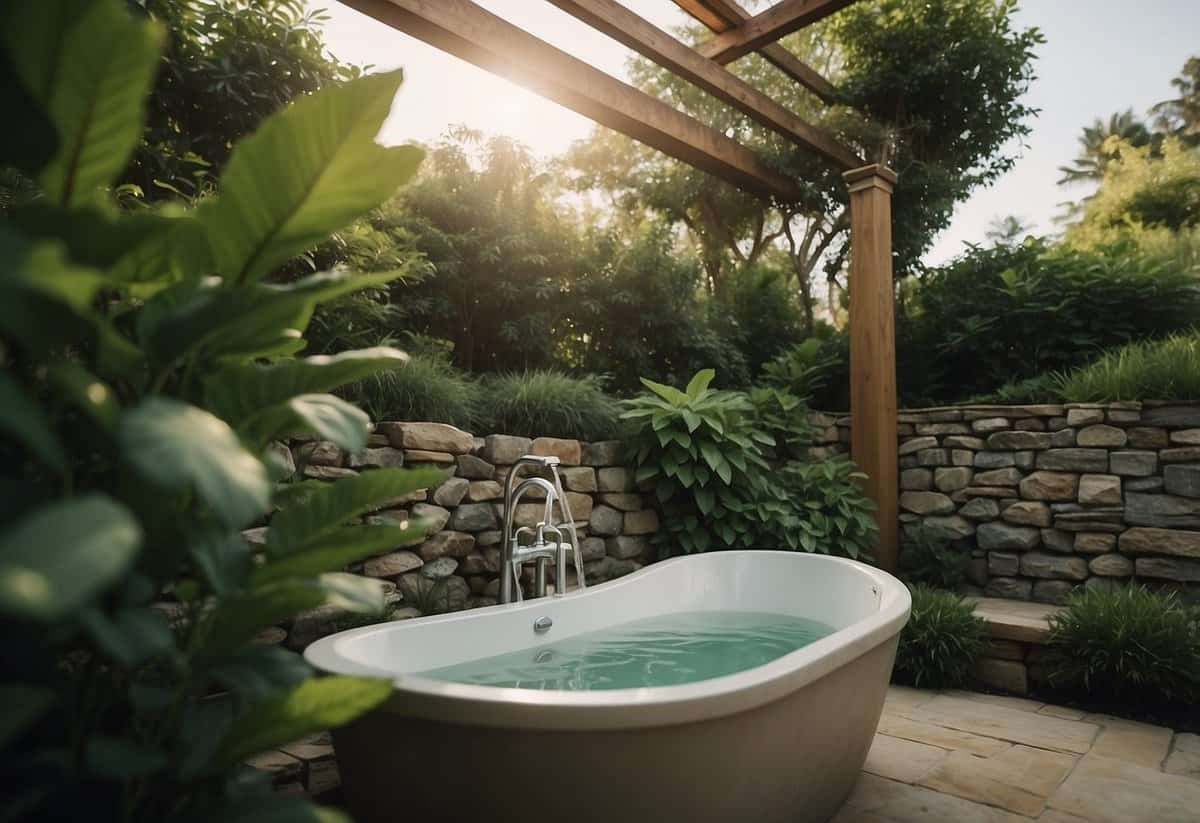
x=1126, y=643
x=547, y=403
x=825, y=509
x=1181, y=116
x=147, y=373
x=426, y=388
x=1100, y=144
x=929, y=559
x=940, y=642
x=785, y=417
x=703, y=451
x=1153, y=370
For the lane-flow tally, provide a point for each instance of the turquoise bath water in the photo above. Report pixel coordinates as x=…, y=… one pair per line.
x=659, y=651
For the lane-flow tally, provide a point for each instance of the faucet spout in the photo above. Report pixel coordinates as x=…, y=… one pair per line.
x=540, y=550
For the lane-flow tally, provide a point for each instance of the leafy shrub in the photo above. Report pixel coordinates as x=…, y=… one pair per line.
x=941, y=641
x=804, y=369
x=144, y=380
x=1126, y=643
x=547, y=403
x=826, y=509
x=427, y=388
x=785, y=417
x=704, y=452
x=931, y=560
x=1153, y=370
x=1045, y=388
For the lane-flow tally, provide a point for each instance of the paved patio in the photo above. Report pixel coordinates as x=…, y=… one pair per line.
x=963, y=757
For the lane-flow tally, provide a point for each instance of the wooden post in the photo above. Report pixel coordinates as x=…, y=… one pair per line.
x=873, y=349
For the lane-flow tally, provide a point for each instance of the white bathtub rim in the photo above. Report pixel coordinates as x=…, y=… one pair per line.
x=626, y=708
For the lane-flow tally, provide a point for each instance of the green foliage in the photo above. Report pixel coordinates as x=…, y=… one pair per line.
x=147, y=368
x=805, y=368
x=1152, y=370
x=826, y=510
x=427, y=388
x=1007, y=313
x=547, y=403
x=785, y=417
x=941, y=641
x=930, y=560
x=1126, y=643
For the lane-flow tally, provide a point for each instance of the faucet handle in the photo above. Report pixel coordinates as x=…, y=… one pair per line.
x=540, y=459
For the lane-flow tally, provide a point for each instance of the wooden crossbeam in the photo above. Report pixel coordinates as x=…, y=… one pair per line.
x=722, y=15
x=619, y=23
x=779, y=20
x=464, y=29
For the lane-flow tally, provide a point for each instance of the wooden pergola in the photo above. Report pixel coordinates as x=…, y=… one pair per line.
x=464, y=29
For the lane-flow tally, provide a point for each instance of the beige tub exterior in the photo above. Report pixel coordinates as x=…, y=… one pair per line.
x=780, y=742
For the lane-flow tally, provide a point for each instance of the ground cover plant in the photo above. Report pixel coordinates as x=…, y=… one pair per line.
x=941, y=641
x=547, y=403
x=148, y=372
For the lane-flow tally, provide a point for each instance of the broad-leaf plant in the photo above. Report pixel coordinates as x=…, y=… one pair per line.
x=151, y=369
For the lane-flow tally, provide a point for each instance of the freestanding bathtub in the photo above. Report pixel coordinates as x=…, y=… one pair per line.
x=780, y=742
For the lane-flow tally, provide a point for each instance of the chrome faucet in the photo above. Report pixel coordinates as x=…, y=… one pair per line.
x=546, y=541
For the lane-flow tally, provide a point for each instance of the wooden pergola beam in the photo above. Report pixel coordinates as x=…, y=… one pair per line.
x=722, y=15
x=466, y=30
x=779, y=20
x=616, y=21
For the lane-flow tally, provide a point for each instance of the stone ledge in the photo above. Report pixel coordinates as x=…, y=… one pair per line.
x=1017, y=620
x=1017, y=630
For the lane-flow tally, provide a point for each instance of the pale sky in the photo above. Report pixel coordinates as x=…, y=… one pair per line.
x=1100, y=56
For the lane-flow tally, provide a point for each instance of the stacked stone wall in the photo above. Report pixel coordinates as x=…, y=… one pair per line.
x=1051, y=497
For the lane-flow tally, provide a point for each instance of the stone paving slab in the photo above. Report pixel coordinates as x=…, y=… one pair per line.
x=962, y=757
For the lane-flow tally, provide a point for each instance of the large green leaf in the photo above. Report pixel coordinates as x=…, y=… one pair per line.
x=348, y=544
x=23, y=705
x=308, y=171
x=55, y=559
x=90, y=66
x=257, y=671
x=24, y=420
x=314, y=705
x=326, y=509
x=325, y=415
x=180, y=446
x=239, y=617
x=236, y=393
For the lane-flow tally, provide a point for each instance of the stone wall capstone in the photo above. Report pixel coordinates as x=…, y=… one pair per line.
x=1050, y=497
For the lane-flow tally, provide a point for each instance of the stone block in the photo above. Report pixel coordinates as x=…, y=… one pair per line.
x=1030, y=424
x=451, y=492
x=606, y=521
x=593, y=548
x=434, y=516
x=1000, y=492
x=926, y=503
x=625, y=547
x=994, y=460
x=1009, y=588
x=1143, y=484
x=1055, y=424
x=962, y=457
x=480, y=491
x=624, y=502
x=997, y=477
x=475, y=517
x=1003, y=564
x=1100, y=490
x=447, y=544
x=1004, y=649
x=1013, y=440
x=1146, y=437
x=1047, y=485
x=1084, y=417
x=1001, y=536
x=1102, y=436
x=1183, y=454
x=916, y=444
x=504, y=449
x=381, y=458
x=434, y=437
x=988, y=425
x=1062, y=439
x=1095, y=542
x=319, y=453
x=916, y=479
x=963, y=442
x=643, y=522
x=980, y=508
x=933, y=457
x=1005, y=675
x=392, y=564
x=942, y=428
x=1074, y=460
x=614, y=479
x=1111, y=565
x=1134, y=463
x=473, y=468
x=1028, y=513
x=952, y=527
x=1185, y=437
x=1160, y=541
x=603, y=453
x=1124, y=417
x=1092, y=520
x=1173, y=416
x=1168, y=568
x=1024, y=460
x=1052, y=591
x=1053, y=566
x=1057, y=540
x=569, y=452
x=420, y=456
x=1162, y=510
x=1182, y=480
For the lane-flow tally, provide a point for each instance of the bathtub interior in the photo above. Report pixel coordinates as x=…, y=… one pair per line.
x=835, y=592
